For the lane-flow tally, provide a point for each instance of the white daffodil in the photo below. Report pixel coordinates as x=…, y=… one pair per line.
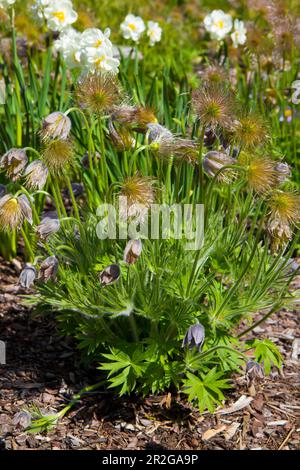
x=93, y=37
x=239, y=36
x=60, y=14
x=218, y=24
x=69, y=45
x=97, y=51
x=38, y=8
x=133, y=27
x=101, y=58
x=6, y=3
x=154, y=32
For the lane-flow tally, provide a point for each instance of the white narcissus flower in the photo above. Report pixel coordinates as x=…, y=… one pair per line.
x=60, y=14
x=69, y=45
x=133, y=27
x=102, y=59
x=218, y=24
x=154, y=32
x=239, y=36
x=97, y=51
x=6, y=3
x=93, y=37
x=38, y=8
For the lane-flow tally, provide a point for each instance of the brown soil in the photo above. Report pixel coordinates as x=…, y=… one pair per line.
x=44, y=369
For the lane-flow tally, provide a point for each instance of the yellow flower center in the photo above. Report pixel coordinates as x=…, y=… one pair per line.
x=220, y=24
x=98, y=43
x=132, y=26
x=100, y=60
x=288, y=113
x=60, y=15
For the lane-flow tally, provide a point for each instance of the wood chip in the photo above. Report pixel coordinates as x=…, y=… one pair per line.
x=241, y=403
x=231, y=430
x=212, y=432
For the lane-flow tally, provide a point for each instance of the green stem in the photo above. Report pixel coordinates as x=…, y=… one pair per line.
x=133, y=327
x=73, y=198
x=262, y=320
x=27, y=245
x=215, y=348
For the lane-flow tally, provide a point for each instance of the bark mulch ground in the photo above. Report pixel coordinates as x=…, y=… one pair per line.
x=44, y=369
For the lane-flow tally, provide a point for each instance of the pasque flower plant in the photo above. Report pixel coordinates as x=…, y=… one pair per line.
x=151, y=314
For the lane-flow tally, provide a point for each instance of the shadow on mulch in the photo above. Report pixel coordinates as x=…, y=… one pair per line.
x=44, y=369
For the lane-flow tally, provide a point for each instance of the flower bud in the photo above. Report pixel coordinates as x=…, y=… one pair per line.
x=56, y=126
x=214, y=161
x=48, y=269
x=121, y=138
x=132, y=251
x=280, y=232
x=14, y=161
x=13, y=211
x=254, y=371
x=283, y=172
x=2, y=190
x=27, y=276
x=47, y=227
x=36, y=175
x=77, y=189
x=209, y=138
x=156, y=133
x=194, y=337
x=22, y=420
x=85, y=159
x=109, y=275
x=25, y=208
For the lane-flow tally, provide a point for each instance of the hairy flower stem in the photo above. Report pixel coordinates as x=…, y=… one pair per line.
x=234, y=288
x=216, y=348
x=91, y=147
x=47, y=422
x=201, y=173
x=75, y=206
x=36, y=218
x=211, y=187
x=27, y=245
x=17, y=84
x=276, y=307
x=103, y=158
x=61, y=210
x=133, y=327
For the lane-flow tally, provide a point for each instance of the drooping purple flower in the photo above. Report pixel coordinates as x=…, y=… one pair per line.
x=194, y=337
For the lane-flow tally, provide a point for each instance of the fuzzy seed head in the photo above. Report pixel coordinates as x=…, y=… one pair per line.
x=181, y=149
x=99, y=93
x=214, y=74
x=135, y=117
x=215, y=106
x=120, y=137
x=137, y=195
x=57, y=155
x=250, y=130
x=285, y=206
x=259, y=172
